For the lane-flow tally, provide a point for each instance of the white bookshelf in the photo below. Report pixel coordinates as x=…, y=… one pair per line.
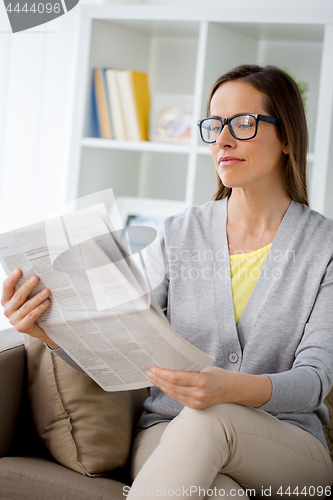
x=183, y=51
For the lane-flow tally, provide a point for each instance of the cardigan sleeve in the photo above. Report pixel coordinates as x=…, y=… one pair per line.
x=304, y=387
x=68, y=360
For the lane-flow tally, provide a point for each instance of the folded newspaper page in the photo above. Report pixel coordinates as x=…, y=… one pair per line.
x=102, y=312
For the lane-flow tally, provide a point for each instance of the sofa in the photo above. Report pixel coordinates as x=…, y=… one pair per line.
x=28, y=471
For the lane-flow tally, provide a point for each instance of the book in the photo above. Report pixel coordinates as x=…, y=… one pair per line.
x=101, y=102
x=115, y=104
x=141, y=101
x=134, y=93
x=128, y=105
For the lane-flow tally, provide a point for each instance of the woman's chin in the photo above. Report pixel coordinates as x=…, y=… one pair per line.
x=228, y=179
x=228, y=182
x=234, y=179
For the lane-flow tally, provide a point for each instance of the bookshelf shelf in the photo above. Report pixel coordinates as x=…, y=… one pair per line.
x=157, y=147
x=183, y=51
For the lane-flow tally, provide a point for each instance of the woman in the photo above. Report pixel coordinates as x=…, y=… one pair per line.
x=254, y=420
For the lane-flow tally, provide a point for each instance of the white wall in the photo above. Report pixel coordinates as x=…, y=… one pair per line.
x=37, y=70
x=36, y=95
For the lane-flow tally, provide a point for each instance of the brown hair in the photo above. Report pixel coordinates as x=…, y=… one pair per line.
x=283, y=101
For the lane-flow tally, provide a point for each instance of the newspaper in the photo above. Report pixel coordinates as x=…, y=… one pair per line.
x=102, y=312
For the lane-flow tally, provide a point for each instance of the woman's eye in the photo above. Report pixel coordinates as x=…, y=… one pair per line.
x=245, y=126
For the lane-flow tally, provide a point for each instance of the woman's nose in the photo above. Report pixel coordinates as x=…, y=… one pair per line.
x=225, y=139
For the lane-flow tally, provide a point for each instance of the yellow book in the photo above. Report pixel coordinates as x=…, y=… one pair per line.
x=141, y=101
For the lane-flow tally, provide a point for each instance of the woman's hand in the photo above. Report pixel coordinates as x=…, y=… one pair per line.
x=22, y=313
x=196, y=390
x=212, y=386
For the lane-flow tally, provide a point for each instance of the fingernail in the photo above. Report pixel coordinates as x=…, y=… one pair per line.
x=46, y=301
x=32, y=279
x=45, y=291
x=16, y=272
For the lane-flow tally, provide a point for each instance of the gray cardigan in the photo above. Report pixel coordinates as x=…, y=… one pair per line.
x=286, y=328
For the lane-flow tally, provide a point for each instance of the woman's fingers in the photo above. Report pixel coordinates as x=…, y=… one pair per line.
x=27, y=324
x=32, y=303
x=25, y=321
x=20, y=296
x=8, y=288
x=185, y=387
x=12, y=300
x=186, y=395
x=23, y=313
x=194, y=389
x=174, y=377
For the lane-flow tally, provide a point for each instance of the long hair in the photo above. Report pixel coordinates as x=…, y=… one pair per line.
x=283, y=101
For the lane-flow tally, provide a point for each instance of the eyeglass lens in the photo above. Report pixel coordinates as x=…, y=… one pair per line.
x=242, y=127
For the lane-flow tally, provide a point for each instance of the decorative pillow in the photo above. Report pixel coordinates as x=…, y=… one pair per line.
x=328, y=431
x=83, y=427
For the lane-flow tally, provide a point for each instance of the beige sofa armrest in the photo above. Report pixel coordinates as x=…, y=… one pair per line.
x=12, y=362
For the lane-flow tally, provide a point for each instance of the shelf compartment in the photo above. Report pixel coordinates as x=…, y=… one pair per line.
x=102, y=168
x=161, y=49
x=146, y=174
x=163, y=176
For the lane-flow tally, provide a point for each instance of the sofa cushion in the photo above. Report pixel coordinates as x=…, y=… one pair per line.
x=25, y=478
x=328, y=431
x=83, y=427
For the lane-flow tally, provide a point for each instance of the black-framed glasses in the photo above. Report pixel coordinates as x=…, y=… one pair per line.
x=242, y=127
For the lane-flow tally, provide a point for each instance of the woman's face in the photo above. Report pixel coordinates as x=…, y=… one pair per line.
x=254, y=162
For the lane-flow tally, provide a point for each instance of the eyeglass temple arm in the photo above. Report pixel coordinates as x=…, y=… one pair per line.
x=269, y=119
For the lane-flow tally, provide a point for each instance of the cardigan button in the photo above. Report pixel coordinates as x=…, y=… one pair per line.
x=233, y=357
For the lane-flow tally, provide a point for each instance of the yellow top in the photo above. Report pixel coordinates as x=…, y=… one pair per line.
x=245, y=269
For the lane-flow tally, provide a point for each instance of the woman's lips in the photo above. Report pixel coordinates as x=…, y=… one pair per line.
x=225, y=161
